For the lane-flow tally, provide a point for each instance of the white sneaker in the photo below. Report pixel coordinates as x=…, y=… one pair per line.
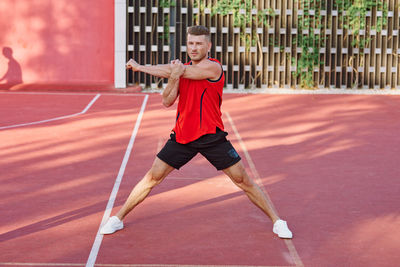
x=112, y=225
x=281, y=229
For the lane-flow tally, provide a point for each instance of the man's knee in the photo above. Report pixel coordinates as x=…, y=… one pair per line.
x=158, y=171
x=156, y=175
x=239, y=176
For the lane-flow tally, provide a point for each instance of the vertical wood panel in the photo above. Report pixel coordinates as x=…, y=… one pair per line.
x=270, y=60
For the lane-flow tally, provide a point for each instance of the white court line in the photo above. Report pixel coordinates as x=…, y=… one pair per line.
x=183, y=265
x=71, y=93
x=97, y=242
x=284, y=91
x=194, y=178
x=39, y=264
x=256, y=175
x=130, y=265
x=54, y=119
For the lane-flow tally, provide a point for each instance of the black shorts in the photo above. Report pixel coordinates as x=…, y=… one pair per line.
x=214, y=147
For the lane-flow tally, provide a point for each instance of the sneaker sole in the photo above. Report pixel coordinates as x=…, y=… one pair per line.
x=109, y=233
x=286, y=237
x=281, y=236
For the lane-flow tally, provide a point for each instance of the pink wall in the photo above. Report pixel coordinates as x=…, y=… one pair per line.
x=56, y=43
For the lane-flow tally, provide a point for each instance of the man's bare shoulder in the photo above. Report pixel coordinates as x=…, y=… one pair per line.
x=210, y=65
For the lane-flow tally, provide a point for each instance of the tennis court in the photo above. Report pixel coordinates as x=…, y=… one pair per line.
x=329, y=164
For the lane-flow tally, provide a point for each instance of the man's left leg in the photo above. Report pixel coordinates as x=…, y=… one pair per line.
x=239, y=176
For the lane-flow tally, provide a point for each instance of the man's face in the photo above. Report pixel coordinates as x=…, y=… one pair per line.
x=197, y=46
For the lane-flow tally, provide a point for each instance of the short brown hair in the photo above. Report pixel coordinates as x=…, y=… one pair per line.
x=199, y=30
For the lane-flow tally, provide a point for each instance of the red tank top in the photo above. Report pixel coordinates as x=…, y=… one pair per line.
x=199, y=107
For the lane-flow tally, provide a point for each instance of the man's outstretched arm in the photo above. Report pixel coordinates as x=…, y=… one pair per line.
x=160, y=70
x=205, y=70
x=171, y=91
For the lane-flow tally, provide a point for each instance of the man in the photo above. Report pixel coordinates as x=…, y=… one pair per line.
x=198, y=129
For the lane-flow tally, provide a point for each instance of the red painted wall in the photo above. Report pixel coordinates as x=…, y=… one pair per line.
x=56, y=43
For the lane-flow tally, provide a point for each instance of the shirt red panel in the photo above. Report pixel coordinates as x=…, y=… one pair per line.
x=199, y=108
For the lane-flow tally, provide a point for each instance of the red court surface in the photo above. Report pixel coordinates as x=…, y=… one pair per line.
x=329, y=164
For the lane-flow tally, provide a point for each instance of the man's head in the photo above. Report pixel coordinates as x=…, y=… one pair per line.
x=198, y=42
x=7, y=52
x=199, y=30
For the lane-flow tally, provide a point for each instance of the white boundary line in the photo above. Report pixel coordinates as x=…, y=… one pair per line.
x=73, y=93
x=325, y=91
x=97, y=242
x=256, y=175
x=284, y=91
x=38, y=264
x=194, y=178
x=129, y=265
x=54, y=119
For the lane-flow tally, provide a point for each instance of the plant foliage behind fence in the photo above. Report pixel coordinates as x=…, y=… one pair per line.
x=275, y=43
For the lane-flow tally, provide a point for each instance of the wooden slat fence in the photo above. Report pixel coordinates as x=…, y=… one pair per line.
x=273, y=52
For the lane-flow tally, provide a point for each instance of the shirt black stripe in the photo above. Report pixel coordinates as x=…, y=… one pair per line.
x=201, y=105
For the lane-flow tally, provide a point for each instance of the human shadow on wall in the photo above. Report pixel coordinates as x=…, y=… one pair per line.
x=13, y=75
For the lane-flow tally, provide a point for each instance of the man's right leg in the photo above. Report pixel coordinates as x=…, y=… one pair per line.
x=153, y=177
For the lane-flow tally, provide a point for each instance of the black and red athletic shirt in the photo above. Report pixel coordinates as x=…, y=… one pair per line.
x=199, y=107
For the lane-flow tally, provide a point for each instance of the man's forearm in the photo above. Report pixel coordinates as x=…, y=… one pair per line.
x=170, y=93
x=162, y=71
